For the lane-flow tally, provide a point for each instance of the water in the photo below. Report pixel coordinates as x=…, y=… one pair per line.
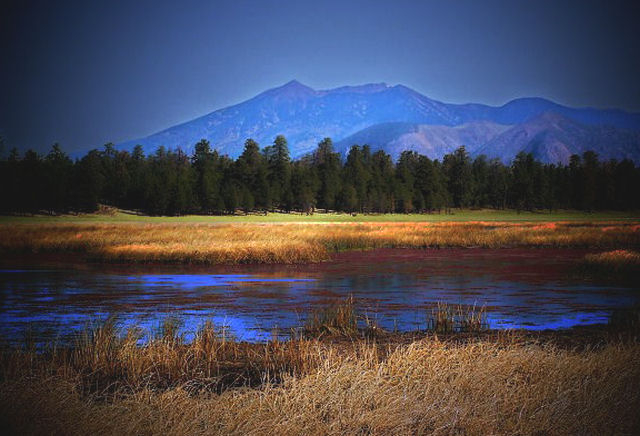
x=529, y=289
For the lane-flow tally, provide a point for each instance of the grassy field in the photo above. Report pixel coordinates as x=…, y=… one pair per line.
x=456, y=216
x=296, y=242
x=493, y=383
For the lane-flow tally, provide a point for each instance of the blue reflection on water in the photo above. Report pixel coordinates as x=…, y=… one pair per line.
x=60, y=303
x=191, y=281
x=546, y=322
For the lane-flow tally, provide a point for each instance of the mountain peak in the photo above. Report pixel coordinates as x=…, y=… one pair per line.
x=293, y=84
x=291, y=89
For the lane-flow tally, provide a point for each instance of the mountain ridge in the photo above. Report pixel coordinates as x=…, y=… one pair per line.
x=305, y=116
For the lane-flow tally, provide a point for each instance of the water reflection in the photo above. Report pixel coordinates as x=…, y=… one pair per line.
x=520, y=289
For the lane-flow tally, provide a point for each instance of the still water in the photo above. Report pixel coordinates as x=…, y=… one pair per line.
x=530, y=289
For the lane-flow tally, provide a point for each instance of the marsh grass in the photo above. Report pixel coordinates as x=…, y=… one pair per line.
x=338, y=318
x=620, y=264
x=106, y=360
x=296, y=243
x=450, y=318
x=110, y=385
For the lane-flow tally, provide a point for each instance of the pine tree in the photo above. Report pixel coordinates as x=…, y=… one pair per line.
x=457, y=167
x=327, y=164
x=58, y=170
x=279, y=173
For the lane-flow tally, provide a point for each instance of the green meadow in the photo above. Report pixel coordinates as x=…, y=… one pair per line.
x=457, y=215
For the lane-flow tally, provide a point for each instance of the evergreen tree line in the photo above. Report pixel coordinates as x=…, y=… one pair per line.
x=170, y=182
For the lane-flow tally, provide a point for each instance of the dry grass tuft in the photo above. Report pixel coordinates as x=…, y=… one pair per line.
x=337, y=319
x=620, y=264
x=450, y=318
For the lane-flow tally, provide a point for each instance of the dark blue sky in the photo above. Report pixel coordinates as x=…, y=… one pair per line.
x=85, y=73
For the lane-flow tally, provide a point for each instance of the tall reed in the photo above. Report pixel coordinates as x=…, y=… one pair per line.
x=336, y=319
x=449, y=318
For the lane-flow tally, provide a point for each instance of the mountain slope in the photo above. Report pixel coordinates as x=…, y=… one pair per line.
x=305, y=116
x=553, y=138
x=550, y=137
x=523, y=109
x=429, y=140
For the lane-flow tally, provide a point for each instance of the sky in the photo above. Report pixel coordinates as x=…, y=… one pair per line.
x=84, y=73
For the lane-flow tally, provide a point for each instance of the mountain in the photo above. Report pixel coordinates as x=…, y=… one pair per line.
x=522, y=109
x=429, y=140
x=553, y=138
x=303, y=115
x=389, y=117
x=550, y=137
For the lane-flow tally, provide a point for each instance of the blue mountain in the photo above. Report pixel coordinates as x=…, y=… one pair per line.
x=389, y=117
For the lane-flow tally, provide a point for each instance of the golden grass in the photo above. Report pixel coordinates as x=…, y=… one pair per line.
x=616, y=264
x=483, y=386
x=296, y=243
x=615, y=259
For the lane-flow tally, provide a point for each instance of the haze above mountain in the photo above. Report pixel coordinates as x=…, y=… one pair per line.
x=397, y=118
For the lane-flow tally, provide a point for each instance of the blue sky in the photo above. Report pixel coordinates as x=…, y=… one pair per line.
x=86, y=73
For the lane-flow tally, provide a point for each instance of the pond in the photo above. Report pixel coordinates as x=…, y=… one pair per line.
x=519, y=288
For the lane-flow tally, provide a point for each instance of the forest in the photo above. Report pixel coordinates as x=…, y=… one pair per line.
x=171, y=182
